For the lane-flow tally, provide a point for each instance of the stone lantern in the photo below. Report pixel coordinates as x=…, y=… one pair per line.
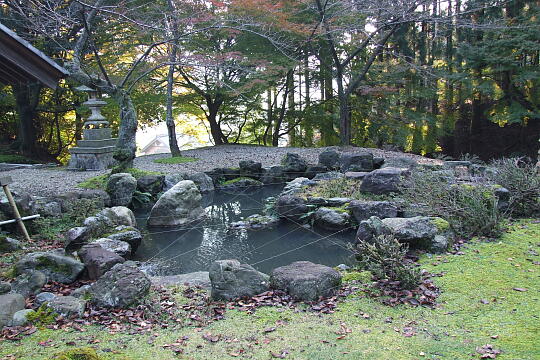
x=95, y=151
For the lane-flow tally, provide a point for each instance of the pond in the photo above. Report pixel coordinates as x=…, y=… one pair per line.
x=167, y=251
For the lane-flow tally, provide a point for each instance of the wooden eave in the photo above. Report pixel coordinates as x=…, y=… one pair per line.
x=22, y=63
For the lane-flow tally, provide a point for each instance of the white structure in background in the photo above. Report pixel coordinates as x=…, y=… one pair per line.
x=155, y=140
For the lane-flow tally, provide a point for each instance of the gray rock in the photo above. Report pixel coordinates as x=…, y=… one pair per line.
x=171, y=180
x=360, y=161
x=293, y=208
x=223, y=174
x=250, y=168
x=314, y=170
x=255, y=222
x=127, y=234
x=82, y=293
x=330, y=159
x=44, y=297
x=68, y=201
x=76, y=237
x=274, y=175
x=295, y=186
x=429, y=233
x=8, y=245
x=199, y=278
x=328, y=176
x=383, y=181
x=9, y=305
x=337, y=201
x=305, y=280
x=231, y=280
x=402, y=162
x=28, y=283
x=20, y=318
x=98, y=260
x=5, y=287
x=293, y=165
x=22, y=200
x=56, y=267
x=363, y=210
x=343, y=267
x=119, y=247
x=67, y=306
x=503, y=197
x=120, y=188
x=240, y=184
x=356, y=175
x=119, y=215
x=331, y=219
x=152, y=184
x=46, y=207
x=181, y=205
x=204, y=182
x=121, y=286
x=98, y=224
x=378, y=162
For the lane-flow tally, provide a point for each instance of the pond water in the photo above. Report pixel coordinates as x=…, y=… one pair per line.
x=167, y=251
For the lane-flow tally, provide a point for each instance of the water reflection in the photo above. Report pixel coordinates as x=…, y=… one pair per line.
x=177, y=251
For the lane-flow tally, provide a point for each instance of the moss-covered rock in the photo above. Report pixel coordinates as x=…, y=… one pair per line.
x=83, y=353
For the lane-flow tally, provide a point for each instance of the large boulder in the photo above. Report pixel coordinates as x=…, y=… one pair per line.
x=293, y=208
x=121, y=286
x=330, y=159
x=5, y=287
x=331, y=175
x=56, y=267
x=314, y=170
x=22, y=200
x=46, y=207
x=119, y=215
x=231, y=280
x=181, y=205
x=297, y=185
x=274, y=175
x=250, y=168
x=203, y=181
x=293, y=165
x=29, y=283
x=383, y=181
x=359, y=161
x=67, y=306
x=240, y=184
x=20, y=318
x=120, y=188
x=8, y=244
x=71, y=200
x=9, y=305
x=363, y=210
x=98, y=224
x=127, y=234
x=423, y=232
x=305, y=280
x=119, y=247
x=151, y=184
x=331, y=218
x=76, y=237
x=171, y=180
x=402, y=162
x=98, y=260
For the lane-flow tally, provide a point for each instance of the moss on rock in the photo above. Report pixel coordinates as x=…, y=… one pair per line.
x=83, y=353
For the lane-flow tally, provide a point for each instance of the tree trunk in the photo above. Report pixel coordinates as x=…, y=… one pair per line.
x=27, y=99
x=215, y=128
x=126, y=145
x=169, y=119
x=344, y=112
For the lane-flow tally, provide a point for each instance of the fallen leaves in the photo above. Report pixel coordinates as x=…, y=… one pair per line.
x=520, y=289
x=488, y=352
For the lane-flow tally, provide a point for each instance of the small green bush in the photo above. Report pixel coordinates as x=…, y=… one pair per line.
x=175, y=160
x=385, y=258
x=471, y=209
x=42, y=316
x=521, y=178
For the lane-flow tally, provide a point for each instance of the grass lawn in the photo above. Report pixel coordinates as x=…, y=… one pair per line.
x=479, y=305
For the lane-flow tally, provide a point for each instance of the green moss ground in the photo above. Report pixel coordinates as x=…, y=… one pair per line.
x=175, y=160
x=100, y=182
x=486, y=272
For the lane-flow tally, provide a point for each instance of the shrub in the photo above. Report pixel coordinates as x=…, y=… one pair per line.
x=471, y=208
x=385, y=258
x=42, y=316
x=521, y=178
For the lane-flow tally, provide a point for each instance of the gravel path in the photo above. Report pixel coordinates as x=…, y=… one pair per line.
x=50, y=181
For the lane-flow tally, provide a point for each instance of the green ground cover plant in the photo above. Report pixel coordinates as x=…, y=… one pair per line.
x=478, y=306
